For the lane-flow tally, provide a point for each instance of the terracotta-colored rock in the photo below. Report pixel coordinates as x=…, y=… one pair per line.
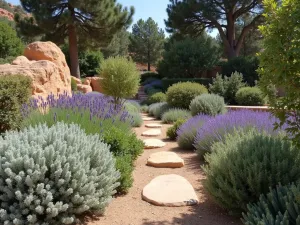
x=77, y=80
x=170, y=190
x=84, y=88
x=165, y=160
x=21, y=60
x=87, y=82
x=48, y=70
x=6, y=14
x=95, y=82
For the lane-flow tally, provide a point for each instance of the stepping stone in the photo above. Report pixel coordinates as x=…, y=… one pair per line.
x=152, y=133
x=153, y=125
x=153, y=143
x=165, y=160
x=146, y=118
x=170, y=190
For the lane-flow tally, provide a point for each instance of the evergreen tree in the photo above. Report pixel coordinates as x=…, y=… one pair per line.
x=118, y=46
x=194, y=16
x=85, y=22
x=147, y=42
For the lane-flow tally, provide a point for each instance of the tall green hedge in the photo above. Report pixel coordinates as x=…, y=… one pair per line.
x=15, y=90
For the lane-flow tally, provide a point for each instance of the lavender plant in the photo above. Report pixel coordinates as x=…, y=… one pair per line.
x=187, y=132
x=246, y=164
x=94, y=114
x=52, y=175
x=215, y=129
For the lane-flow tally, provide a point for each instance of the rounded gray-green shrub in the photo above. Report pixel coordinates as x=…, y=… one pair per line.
x=250, y=96
x=208, y=104
x=158, y=109
x=279, y=206
x=52, y=175
x=246, y=165
x=172, y=115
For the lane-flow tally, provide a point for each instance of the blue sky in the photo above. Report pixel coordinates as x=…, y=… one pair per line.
x=143, y=9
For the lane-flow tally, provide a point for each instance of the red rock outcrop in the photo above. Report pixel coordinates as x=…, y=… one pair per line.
x=6, y=14
x=46, y=65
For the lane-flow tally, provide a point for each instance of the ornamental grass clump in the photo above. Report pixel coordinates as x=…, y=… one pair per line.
x=158, y=109
x=209, y=104
x=187, y=132
x=172, y=115
x=53, y=175
x=216, y=128
x=279, y=206
x=246, y=164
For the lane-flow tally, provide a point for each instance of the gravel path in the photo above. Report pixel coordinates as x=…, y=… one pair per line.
x=132, y=210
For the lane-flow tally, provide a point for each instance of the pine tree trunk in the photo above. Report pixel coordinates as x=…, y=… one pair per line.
x=73, y=51
x=149, y=66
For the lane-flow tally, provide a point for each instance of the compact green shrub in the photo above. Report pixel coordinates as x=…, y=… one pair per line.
x=208, y=104
x=120, y=78
x=250, y=96
x=73, y=85
x=10, y=43
x=52, y=175
x=171, y=132
x=158, y=109
x=246, y=164
x=124, y=145
x=15, y=90
x=172, y=115
x=151, y=91
x=245, y=65
x=167, y=82
x=227, y=87
x=157, y=97
x=180, y=95
x=279, y=206
x=144, y=108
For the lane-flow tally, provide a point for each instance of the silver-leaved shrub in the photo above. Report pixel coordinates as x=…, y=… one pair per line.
x=52, y=175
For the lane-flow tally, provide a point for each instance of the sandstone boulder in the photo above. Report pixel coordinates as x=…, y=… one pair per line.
x=46, y=65
x=84, y=88
x=95, y=83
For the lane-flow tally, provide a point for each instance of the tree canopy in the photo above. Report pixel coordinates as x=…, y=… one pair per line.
x=280, y=61
x=89, y=22
x=194, y=16
x=10, y=43
x=146, y=42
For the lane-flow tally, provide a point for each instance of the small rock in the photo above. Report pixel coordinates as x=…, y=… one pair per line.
x=153, y=125
x=165, y=160
x=170, y=190
x=152, y=133
x=146, y=118
x=153, y=143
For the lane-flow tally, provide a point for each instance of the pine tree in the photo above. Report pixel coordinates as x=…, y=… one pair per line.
x=147, y=42
x=85, y=22
x=194, y=16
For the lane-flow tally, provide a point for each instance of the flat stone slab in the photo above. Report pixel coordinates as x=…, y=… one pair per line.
x=152, y=133
x=170, y=190
x=153, y=125
x=165, y=160
x=153, y=143
x=146, y=118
